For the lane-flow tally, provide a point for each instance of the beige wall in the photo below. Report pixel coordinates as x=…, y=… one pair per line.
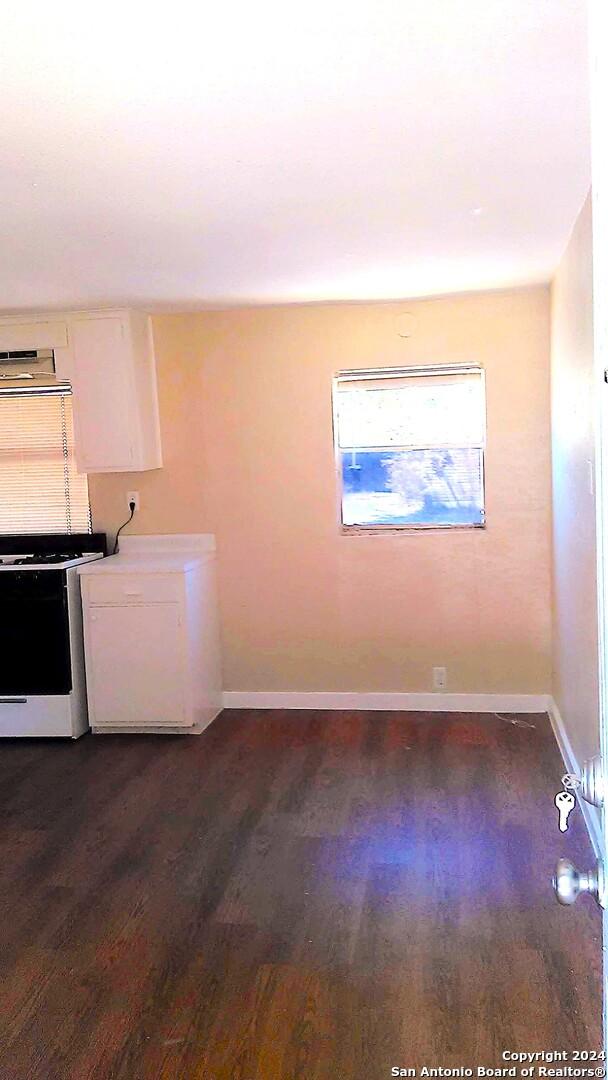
x=247, y=438
x=575, y=658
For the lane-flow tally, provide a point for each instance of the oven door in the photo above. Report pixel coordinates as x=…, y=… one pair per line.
x=34, y=633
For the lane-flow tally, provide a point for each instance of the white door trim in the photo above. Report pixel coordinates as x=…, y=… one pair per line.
x=590, y=813
x=598, y=63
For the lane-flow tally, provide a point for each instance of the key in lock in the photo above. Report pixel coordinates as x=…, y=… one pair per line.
x=565, y=803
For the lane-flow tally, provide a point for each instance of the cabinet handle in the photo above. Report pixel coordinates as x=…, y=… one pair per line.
x=13, y=701
x=133, y=592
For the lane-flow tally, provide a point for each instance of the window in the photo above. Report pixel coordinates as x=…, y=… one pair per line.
x=40, y=490
x=409, y=444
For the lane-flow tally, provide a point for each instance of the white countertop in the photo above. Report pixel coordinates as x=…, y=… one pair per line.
x=176, y=554
x=147, y=564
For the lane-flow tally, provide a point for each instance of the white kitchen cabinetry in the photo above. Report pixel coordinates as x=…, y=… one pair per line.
x=108, y=357
x=151, y=636
x=37, y=332
x=112, y=369
x=145, y=685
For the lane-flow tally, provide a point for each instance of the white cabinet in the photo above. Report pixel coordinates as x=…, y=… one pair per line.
x=40, y=333
x=108, y=357
x=112, y=369
x=151, y=636
x=144, y=686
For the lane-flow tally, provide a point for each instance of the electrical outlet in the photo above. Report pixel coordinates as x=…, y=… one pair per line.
x=133, y=497
x=440, y=678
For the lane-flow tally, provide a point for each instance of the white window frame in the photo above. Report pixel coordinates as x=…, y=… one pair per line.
x=403, y=372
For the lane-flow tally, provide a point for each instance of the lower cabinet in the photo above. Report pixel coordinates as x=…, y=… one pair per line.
x=137, y=666
x=151, y=636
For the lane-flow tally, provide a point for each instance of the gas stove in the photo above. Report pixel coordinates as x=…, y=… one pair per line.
x=50, y=552
x=42, y=678
x=46, y=562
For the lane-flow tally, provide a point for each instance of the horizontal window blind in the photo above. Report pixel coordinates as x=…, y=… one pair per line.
x=412, y=410
x=40, y=489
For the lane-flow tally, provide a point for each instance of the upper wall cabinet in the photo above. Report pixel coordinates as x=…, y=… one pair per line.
x=113, y=372
x=108, y=357
x=47, y=333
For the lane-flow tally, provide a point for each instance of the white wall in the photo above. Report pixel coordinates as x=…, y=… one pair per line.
x=575, y=658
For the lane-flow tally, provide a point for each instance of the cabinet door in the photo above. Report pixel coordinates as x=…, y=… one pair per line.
x=103, y=394
x=136, y=666
x=41, y=334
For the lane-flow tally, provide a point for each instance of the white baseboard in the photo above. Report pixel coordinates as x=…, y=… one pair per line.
x=591, y=813
x=379, y=702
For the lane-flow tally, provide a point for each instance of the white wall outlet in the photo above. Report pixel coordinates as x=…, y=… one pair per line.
x=440, y=678
x=133, y=497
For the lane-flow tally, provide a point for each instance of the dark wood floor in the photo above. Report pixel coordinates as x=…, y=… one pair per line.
x=291, y=895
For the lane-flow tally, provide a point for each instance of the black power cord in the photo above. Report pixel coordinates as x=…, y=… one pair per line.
x=123, y=526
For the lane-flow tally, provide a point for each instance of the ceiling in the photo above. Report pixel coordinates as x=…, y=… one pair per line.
x=251, y=153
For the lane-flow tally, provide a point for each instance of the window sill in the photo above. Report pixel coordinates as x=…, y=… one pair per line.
x=405, y=530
